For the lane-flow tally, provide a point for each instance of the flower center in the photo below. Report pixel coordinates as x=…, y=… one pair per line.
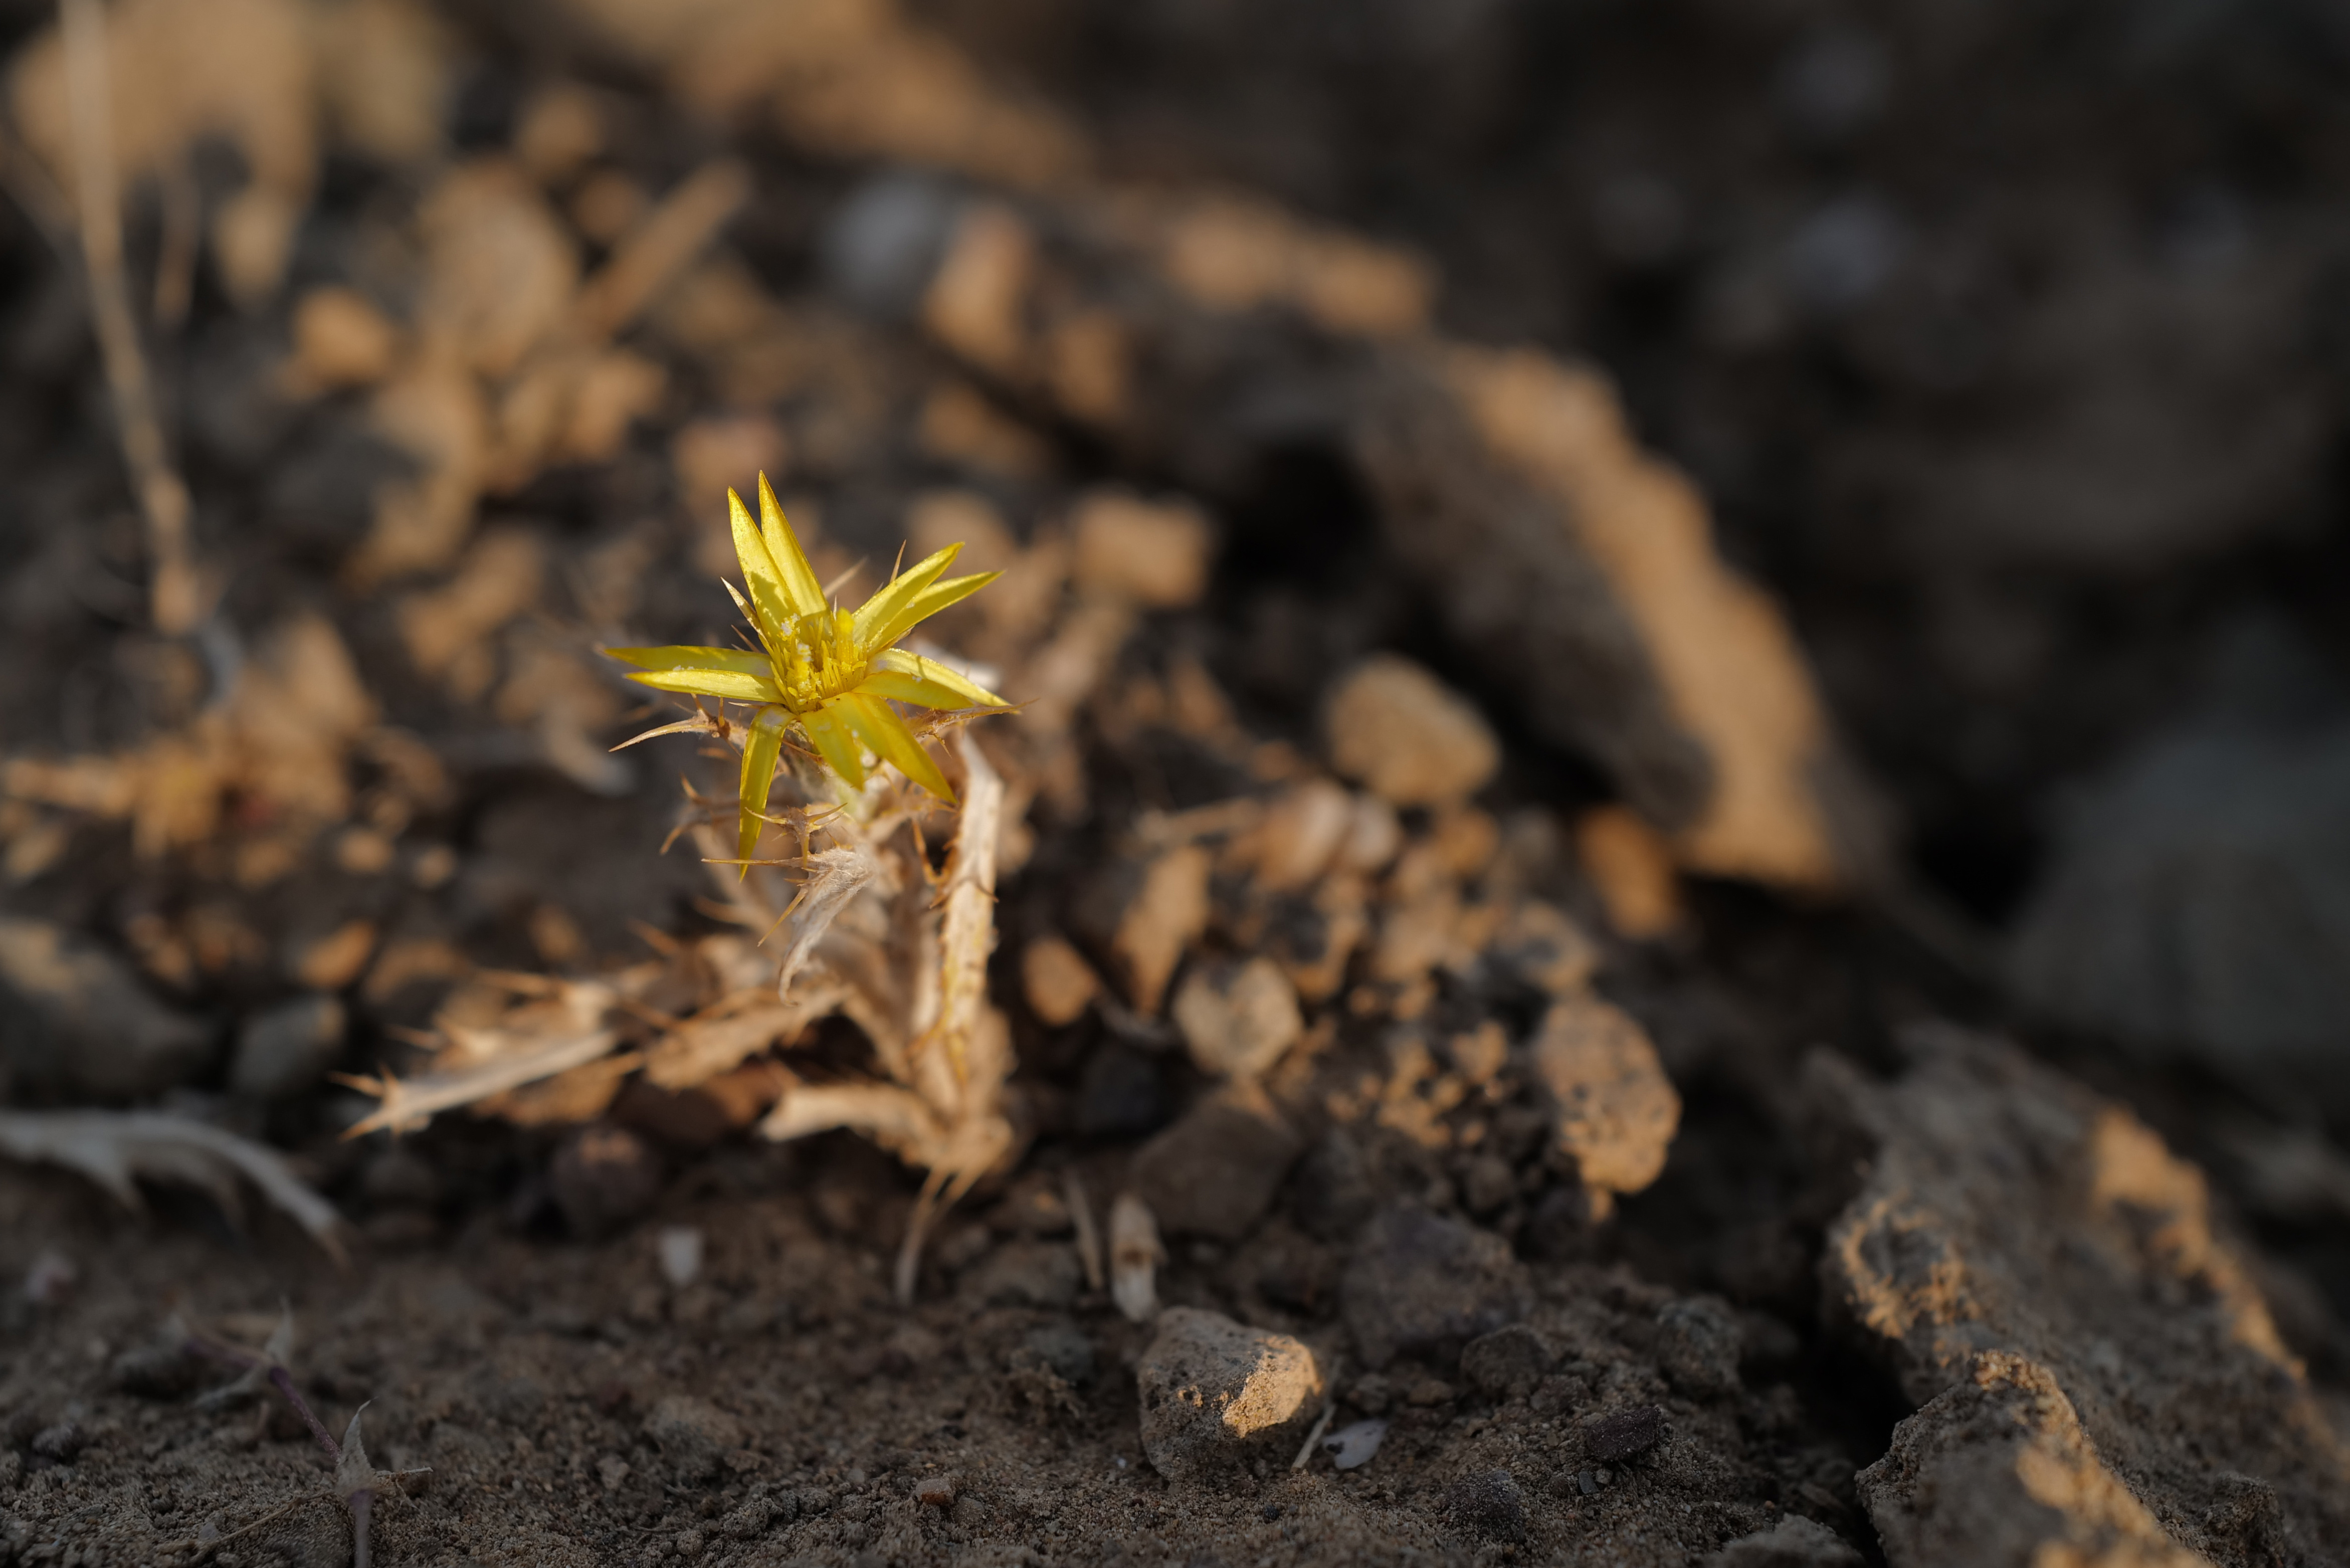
x=818, y=658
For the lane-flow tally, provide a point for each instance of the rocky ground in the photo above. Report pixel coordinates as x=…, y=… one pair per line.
x=1670, y=886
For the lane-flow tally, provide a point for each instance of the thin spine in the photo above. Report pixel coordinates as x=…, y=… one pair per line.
x=1329, y=1410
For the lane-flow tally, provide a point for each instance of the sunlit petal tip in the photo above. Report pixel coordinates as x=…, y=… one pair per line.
x=799, y=578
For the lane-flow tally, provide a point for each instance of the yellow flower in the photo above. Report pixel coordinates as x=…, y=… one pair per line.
x=829, y=672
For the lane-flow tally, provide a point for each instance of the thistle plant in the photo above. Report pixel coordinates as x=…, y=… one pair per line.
x=826, y=674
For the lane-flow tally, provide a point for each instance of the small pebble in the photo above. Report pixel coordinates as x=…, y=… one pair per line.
x=1429, y=1391
x=1509, y=1362
x=680, y=1254
x=1352, y=1448
x=1216, y=1393
x=934, y=1491
x=1272, y=1511
x=1625, y=1433
x=602, y=1178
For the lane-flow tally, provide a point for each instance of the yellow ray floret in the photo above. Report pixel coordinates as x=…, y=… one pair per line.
x=829, y=673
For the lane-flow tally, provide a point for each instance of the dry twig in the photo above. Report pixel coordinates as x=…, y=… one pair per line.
x=174, y=593
x=357, y=1480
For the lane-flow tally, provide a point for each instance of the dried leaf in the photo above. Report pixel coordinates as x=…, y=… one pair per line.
x=113, y=1148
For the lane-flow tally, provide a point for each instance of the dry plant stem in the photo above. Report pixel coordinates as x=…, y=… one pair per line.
x=1081, y=1213
x=175, y=267
x=405, y=1105
x=360, y=1504
x=1329, y=1409
x=162, y=497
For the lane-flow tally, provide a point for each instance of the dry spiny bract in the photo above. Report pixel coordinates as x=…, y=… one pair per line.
x=826, y=672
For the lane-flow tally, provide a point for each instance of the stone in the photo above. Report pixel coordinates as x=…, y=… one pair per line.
x=1333, y=1193
x=1541, y=946
x=1793, y=1542
x=603, y=1177
x=1424, y=1284
x=75, y=1014
x=693, y=1435
x=1614, y=1112
x=1509, y=1362
x=1996, y=1468
x=1582, y=572
x=1237, y=1018
x=1699, y=1343
x=1630, y=866
x=1406, y=736
x=1143, y=915
x=2035, y=1252
x=934, y=1491
x=1624, y=1434
x=1488, y=1503
x=1058, y=983
x=341, y=339
x=1303, y=829
x=1215, y=1171
x=1122, y=1093
x=286, y=1049
x=1487, y=1184
x=1152, y=553
x=1216, y=1394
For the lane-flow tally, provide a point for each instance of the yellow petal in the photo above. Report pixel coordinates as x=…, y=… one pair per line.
x=760, y=749
x=771, y=607
x=732, y=684
x=800, y=585
x=929, y=602
x=880, y=728
x=927, y=683
x=836, y=743
x=885, y=607
x=740, y=659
